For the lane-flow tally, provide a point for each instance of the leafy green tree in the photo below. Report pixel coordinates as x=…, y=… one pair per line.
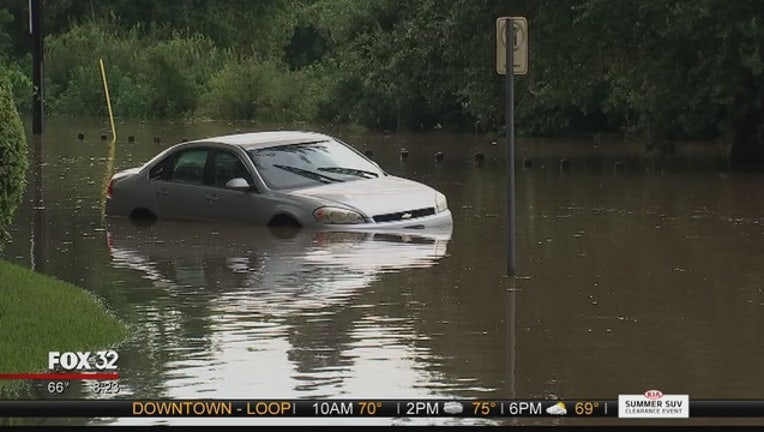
x=662, y=69
x=5, y=38
x=678, y=69
x=13, y=154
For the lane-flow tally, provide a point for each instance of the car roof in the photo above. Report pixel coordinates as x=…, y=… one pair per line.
x=256, y=140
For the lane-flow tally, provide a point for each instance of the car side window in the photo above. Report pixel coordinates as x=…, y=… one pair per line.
x=227, y=166
x=158, y=171
x=188, y=166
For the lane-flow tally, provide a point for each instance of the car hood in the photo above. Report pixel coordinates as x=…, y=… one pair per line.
x=383, y=195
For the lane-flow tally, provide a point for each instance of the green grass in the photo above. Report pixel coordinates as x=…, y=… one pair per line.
x=39, y=314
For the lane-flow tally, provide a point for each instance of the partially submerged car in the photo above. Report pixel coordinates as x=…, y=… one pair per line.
x=274, y=178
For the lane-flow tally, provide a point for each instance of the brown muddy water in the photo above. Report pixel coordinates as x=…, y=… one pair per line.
x=634, y=273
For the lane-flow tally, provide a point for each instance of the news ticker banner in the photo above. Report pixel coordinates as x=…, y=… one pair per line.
x=627, y=406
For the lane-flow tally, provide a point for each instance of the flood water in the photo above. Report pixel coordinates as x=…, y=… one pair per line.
x=633, y=274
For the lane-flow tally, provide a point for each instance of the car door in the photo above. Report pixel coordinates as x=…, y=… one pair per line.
x=225, y=204
x=179, y=187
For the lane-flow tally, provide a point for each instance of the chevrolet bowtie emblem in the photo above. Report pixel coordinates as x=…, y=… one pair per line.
x=406, y=216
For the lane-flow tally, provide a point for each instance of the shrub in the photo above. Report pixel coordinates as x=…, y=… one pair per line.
x=267, y=91
x=156, y=74
x=13, y=154
x=175, y=70
x=18, y=76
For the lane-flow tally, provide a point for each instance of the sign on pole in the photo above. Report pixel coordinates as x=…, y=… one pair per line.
x=511, y=48
x=520, y=54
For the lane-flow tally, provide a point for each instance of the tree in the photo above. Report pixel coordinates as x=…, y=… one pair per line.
x=13, y=154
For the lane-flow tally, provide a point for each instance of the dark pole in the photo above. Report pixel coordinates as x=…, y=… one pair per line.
x=35, y=21
x=510, y=132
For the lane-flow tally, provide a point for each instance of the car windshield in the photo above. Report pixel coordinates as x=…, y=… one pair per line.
x=310, y=164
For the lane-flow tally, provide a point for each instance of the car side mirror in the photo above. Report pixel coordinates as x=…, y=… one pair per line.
x=238, y=184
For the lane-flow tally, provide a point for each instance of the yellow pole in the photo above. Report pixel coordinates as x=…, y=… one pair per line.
x=108, y=102
x=110, y=158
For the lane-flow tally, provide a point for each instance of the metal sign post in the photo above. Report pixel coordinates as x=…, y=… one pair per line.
x=510, y=132
x=512, y=33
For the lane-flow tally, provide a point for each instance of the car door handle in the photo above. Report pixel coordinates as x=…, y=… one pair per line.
x=162, y=192
x=211, y=197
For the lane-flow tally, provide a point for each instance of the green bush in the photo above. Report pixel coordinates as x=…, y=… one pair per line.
x=72, y=73
x=13, y=154
x=151, y=74
x=176, y=69
x=19, y=78
x=82, y=94
x=263, y=91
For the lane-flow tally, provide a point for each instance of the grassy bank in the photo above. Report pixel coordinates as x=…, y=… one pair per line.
x=40, y=314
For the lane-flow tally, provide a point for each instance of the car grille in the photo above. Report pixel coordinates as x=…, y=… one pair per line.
x=399, y=216
x=400, y=238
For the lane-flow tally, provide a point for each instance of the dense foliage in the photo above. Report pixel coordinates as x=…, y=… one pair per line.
x=663, y=69
x=13, y=155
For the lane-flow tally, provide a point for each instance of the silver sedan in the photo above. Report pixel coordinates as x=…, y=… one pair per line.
x=274, y=178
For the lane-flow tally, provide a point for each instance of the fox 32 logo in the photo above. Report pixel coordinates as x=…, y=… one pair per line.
x=83, y=360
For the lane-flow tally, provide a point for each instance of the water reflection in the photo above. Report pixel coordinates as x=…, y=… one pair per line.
x=308, y=268
x=37, y=238
x=228, y=302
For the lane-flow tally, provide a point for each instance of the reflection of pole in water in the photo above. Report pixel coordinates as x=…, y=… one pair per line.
x=37, y=239
x=107, y=174
x=512, y=335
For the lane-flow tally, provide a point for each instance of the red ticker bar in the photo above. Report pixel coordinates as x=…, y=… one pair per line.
x=56, y=376
x=353, y=408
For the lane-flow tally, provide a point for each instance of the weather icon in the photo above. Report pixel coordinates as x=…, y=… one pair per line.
x=557, y=409
x=453, y=407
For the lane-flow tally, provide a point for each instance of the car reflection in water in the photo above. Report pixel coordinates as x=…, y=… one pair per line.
x=281, y=269
x=227, y=309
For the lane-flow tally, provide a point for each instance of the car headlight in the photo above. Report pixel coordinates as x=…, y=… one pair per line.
x=337, y=215
x=440, y=202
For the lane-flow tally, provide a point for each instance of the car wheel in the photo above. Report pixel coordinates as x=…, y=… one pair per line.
x=284, y=226
x=142, y=217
